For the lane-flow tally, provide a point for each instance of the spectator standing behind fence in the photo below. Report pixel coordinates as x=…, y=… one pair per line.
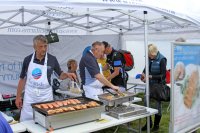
x=157, y=74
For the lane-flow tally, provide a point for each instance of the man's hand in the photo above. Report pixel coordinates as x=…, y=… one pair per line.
x=143, y=78
x=115, y=88
x=108, y=78
x=18, y=102
x=72, y=76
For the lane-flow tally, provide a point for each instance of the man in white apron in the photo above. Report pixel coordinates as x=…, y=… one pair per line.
x=92, y=79
x=35, y=78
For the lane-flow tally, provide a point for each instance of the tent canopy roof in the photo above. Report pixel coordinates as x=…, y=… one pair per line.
x=97, y=20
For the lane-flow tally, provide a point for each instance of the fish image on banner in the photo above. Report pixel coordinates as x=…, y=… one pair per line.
x=36, y=73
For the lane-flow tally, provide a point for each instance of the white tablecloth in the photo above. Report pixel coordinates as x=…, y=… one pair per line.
x=107, y=122
x=17, y=128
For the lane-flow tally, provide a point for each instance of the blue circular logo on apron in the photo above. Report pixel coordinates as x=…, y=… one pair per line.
x=36, y=73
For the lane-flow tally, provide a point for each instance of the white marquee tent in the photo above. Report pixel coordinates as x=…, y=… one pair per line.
x=93, y=16
x=110, y=20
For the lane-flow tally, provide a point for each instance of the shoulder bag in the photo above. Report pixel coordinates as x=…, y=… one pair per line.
x=160, y=92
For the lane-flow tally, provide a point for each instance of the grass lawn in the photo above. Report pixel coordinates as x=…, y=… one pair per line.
x=164, y=124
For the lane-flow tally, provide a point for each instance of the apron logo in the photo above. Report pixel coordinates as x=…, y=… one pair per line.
x=36, y=73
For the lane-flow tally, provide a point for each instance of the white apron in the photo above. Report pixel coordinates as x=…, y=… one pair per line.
x=93, y=90
x=37, y=88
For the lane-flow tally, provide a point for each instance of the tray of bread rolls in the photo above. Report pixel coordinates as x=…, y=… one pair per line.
x=67, y=112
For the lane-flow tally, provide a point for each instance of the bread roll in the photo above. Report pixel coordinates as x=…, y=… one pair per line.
x=51, y=112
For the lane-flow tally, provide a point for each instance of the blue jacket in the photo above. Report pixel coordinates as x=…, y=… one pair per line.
x=155, y=66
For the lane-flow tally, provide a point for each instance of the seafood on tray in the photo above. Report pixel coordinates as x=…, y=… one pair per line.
x=65, y=106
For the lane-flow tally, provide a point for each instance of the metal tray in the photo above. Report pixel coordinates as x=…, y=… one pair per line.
x=65, y=119
x=116, y=100
x=83, y=100
x=126, y=111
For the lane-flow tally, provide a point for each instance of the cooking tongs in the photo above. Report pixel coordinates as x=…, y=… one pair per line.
x=118, y=93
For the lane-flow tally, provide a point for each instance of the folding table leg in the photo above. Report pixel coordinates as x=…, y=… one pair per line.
x=116, y=129
x=139, y=126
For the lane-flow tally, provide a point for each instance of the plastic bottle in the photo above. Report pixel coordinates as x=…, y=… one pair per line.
x=72, y=84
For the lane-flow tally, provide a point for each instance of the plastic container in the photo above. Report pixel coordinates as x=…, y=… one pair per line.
x=8, y=112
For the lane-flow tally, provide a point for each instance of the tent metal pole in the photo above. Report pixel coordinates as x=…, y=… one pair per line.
x=8, y=19
x=88, y=28
x=147, y=65
x=129, y=22
x=22, y=10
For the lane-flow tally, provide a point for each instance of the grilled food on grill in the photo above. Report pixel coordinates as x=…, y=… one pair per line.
x=51, y=112
x=59, y=103
x=71, y=108
x=44, y=106
x=77, y=101
x=92, y=104
x=122, y=94
x=83, y=106
x=55, y=105
x=65, y=106
x=65, y=109
x=38, y=106
x=59, y=110
x=109, y=97
x=77, y=107
x=50, y=105
x=65, y=103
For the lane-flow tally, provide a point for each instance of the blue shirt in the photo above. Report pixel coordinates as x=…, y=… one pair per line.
x=52, y=65
x=4, y=126
x=88, y=68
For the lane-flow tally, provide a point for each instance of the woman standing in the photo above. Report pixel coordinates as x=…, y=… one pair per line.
x=157, y=74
